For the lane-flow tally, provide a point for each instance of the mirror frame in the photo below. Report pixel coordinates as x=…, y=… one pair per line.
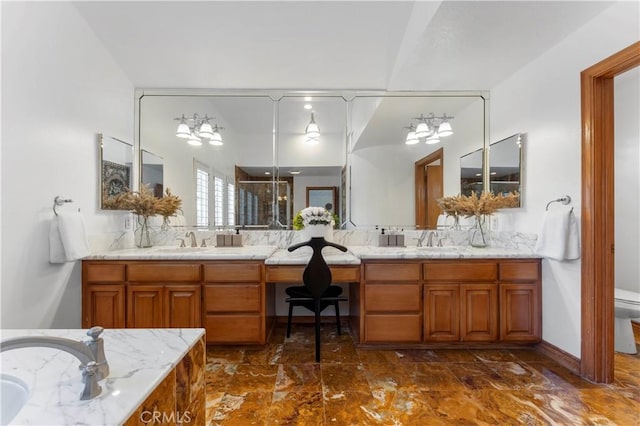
x=275, y=95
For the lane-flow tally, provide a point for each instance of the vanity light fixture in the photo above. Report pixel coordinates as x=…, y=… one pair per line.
x=432, y=128
x=195, y=128
x=412, y=137
x=312, y=131
x=216, y=137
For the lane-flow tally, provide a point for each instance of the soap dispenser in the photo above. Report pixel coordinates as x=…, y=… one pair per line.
x=383, y=239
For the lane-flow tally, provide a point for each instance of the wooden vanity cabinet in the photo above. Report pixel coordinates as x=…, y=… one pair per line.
x=141, y=294
x=391, y=303
x=461, y=301
x=520, y=301
x=234, y=302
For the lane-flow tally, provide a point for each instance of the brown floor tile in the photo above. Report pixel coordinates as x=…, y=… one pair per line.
x=297, y=408
x=458, y=408
x=254, y=378
x=344, y=377
x=248, y=408
x=299, y=378
x=476, y=375
x=281, y=384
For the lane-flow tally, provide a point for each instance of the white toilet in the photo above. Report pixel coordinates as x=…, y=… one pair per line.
x=627, y=306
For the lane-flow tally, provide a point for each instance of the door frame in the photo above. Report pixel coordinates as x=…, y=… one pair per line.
x=420, y=188
x=597, y=281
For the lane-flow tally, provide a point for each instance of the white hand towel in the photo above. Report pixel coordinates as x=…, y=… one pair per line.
x=56, y=249
x=72, y=236
x=559, y=237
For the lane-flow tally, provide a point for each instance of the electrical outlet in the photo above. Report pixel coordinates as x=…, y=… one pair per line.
x=127, y=222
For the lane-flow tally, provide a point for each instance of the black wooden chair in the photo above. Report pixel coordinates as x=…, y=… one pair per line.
x=317, y=292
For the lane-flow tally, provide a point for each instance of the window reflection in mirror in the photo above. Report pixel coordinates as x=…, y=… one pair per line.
x=151, y=173
x=116, y=159
x=306, y=159
x=205, y=176
x=505, y=165
x=382, y=164
x=471, y=172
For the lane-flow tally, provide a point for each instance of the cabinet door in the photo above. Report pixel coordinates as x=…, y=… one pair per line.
x=104, y=306
x=478, y=312
x=144, y=306
x=441, y=313
x=520, y=314
x=182, y=306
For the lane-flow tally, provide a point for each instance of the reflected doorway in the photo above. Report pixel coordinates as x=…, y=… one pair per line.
x=429, y=189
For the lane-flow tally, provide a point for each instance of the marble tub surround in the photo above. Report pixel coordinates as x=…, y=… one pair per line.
x=139, y=360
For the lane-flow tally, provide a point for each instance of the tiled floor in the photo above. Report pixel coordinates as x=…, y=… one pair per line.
x=281, y=384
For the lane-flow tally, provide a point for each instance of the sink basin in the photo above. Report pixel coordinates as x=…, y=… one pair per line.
x=13, y=395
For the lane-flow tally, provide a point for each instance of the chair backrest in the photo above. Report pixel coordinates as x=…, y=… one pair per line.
x=317, y=275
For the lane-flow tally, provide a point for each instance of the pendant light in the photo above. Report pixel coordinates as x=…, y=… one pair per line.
x=183, y=130
x=412, y=137
x=312, y=131
x=422, y=130
x=216, y=137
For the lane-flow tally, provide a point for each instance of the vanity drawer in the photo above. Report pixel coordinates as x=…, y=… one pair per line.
x=392, y=272
x=232, y=297
x=293, y=274
x=460, y=271
x=233, y=329
x=392, y=298
x=164, y=272
x=385, y=328
x=520, y=271
x=233, y=272
x=105, y=272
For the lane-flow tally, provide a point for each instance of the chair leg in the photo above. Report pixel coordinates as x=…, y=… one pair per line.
x=289, y=319
x=317, y=303
x=337, y=308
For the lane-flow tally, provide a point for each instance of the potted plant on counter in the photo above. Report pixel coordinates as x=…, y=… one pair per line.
x=314, y=221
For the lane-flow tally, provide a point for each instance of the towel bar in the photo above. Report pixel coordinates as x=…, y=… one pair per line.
x=564, y=200
x=58, y=201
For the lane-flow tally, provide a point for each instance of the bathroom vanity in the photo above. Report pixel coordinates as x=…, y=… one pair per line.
x=415, y=296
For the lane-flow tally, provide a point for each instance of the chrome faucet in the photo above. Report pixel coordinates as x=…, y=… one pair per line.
x=430, y=239
x=191, y=235
x=420, y=239
x=93, y=365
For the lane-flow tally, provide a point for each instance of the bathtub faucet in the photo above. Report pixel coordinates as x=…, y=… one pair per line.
x=93, y=365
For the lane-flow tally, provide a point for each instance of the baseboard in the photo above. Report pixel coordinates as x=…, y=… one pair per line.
x=561, y=357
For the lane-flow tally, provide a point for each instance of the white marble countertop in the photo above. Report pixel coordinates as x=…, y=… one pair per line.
x=139, y=359
x=302, y=255
x=187, y=253
x=447, y=252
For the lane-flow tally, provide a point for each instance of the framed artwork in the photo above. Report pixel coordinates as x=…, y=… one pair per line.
x=115, y=178
x=322, y=196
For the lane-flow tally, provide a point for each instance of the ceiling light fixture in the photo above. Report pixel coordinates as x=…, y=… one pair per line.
x=196, y=128
x=312, y=131
x=431, y=127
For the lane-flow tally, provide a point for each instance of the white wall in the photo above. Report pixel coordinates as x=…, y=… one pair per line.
x=59, y=89
x=543, y=101
x=627, y=180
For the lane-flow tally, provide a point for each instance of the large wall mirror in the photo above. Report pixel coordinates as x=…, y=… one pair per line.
x=152, y=172
x=472, y=172
x=505, y=166
x=116, y=173
x=259, y=175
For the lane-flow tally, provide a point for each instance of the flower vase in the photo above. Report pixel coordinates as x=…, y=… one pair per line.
x=141, y=234
x=165, y=223
x=455, y=225
x=479, y=236
x=317, y=231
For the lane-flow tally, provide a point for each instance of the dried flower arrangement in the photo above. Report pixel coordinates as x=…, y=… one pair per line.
x=486, y=203
x=168, y=205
